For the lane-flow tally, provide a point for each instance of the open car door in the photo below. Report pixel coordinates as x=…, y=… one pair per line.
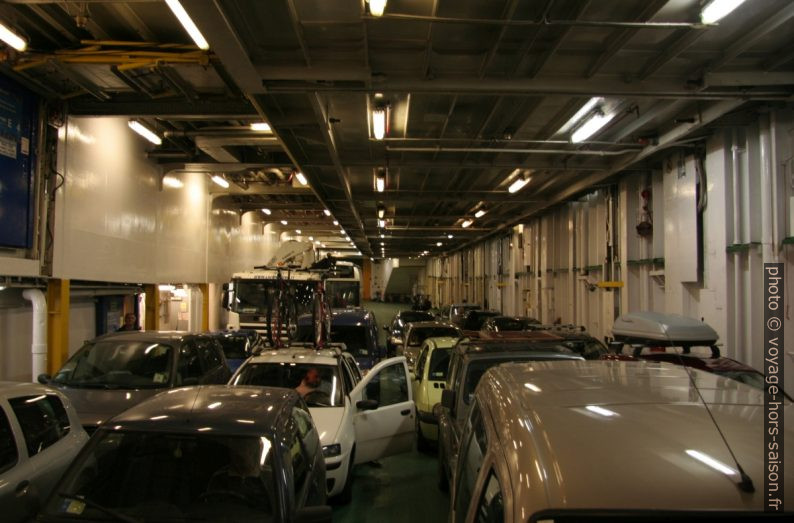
x=384, y=415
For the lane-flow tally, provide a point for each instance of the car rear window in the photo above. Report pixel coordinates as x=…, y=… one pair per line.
x=43, y=420
x=418, y=335
x=354, y=338
x=328, y=393
x=439, y=364
x=408, y=317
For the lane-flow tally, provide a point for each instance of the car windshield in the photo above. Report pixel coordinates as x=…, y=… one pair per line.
x=420, y=334
x=439, y=364
x=152, y=476
x=118, y=364
x=509, y=324
x=319, y=385
x=408, y=317
x=588, y=349
x=354, y=337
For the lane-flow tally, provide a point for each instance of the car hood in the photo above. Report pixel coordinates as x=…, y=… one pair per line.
x=327, y=420
x=95, y=406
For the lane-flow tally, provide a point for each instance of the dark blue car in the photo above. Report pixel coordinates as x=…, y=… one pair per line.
x=239, y=345
x=357, y=328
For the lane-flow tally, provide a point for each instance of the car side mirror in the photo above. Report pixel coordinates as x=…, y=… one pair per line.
x=317, y=514
x=44, y=378
x=448, y=399
x=367, y=404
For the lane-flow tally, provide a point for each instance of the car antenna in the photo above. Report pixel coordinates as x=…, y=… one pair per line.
x=746, y=483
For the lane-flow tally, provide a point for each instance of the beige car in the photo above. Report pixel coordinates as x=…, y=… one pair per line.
x=580, y=440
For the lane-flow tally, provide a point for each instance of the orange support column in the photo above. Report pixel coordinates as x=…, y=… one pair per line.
x=205, y=306
x=57, y=324
x=152, y=314
x=366, y=279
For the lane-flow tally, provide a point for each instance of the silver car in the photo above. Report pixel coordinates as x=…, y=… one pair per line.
x=40, y=434
x=112, y=373
x=571, y=441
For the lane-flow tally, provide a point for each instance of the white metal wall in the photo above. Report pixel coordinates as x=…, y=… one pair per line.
x=557, y=258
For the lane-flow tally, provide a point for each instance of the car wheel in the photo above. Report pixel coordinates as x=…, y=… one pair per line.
x=346, y=496
x=443, y=481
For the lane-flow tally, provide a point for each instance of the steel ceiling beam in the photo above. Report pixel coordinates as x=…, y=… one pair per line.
x=435, y=196
x=203, y=109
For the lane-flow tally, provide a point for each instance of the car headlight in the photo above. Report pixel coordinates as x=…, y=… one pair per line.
x=331, y=451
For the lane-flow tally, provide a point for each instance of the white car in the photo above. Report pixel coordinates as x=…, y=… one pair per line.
x=360, y=419
x=40, y=434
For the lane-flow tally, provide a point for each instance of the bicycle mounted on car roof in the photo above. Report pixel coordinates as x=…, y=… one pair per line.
x=282, y=309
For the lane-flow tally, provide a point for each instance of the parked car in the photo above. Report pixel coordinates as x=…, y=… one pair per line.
x=508, y=323
x=416, y=333
x=111, y=373
x=394, y=331
x=630, y=445
x=679, y=340
x=360, y=419
x=468, y=362
x=427, y=382
x=356, y=328
x=474, y=319
x=454, y=313
x=239, y=345
x=40, y=434
x=210, y=453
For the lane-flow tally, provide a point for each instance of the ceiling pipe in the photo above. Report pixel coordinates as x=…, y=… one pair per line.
x=503, y=140
x=571, y=152
x=38, y=347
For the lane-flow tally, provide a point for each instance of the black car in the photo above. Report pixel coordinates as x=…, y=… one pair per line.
x=468, y=362
x=508, y=323
x=474, y=319
x=214, y=454
x=111, y=373
x=397, y=327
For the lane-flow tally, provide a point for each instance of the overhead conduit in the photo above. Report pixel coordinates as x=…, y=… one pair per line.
x=38, y=348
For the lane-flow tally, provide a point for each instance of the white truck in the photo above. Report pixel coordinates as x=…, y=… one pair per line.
x=249, y=294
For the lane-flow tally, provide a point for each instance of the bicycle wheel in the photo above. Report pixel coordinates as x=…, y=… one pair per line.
x=289, y=315
x=321, y=320
x=275, y=318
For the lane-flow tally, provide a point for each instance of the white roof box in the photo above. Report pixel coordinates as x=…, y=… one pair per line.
x=644, y=327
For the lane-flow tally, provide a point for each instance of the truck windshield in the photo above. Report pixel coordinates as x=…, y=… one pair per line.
x=343, y=293
x=250, y=296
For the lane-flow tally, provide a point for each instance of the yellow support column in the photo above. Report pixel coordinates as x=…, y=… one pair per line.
x=57, y=324
x=205, y=306
x=152, y=312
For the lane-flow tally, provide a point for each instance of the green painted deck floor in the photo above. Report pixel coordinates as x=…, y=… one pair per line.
x=403, y=488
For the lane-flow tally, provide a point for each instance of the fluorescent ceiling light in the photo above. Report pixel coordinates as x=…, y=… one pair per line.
x=326, y=212
x=266, y=211
x=283, y=222
x=382, y=235
x=711, y=462
x=311, y=238
x=438, y=244
x=144, y=131
x=381, y=223
x=336, y=222
x=517, y=185
x=379, y=122
x=174, y=183
x=301, y=178
x=466, y=223
x=188, y=24
x=380, y=180
x=382, y=243
x=14, y=40
x=449, y=236
x=262, y=127
x=601, y=411
x=298, y=231
x=586, y=108
x=165, y=287
x=715, y=10
x=220, y=180
x=591, y=126
x=376, y=7
x=479, y=214
x=532, y=387
x=381, y=211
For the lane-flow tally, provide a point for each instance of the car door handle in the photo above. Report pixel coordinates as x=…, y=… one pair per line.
x=22, y=488
x=405, y=412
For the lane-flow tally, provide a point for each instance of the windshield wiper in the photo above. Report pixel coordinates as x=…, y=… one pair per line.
x=93, y=504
